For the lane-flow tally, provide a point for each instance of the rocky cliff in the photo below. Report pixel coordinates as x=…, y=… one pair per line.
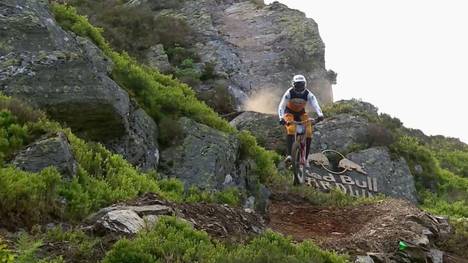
x=68, y=77
x=260, y=48
x=251, y=48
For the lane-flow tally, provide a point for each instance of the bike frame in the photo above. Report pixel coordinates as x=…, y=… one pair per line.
x=300, y=139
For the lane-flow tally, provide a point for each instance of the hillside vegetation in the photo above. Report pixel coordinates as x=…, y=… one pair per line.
x=160, y=95
x=437, y=163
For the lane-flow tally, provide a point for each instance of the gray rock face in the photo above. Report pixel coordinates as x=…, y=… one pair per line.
x=140, y=145
x=393, y=176
x=126, y=220
x=54, y=151
x=383, y=176
x=340, y=133
x=205, y=157
x=64, y=75
x=264, y=127
x=258, y=48
x=157, y=58
x=67, y=76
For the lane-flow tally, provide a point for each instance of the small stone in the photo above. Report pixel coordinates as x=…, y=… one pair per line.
x=364, y=259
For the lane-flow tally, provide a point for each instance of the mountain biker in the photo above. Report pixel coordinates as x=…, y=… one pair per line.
x=292, y=108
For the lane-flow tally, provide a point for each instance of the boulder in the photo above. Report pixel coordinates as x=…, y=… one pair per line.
x=54, y=151
x=376, y=173
x=204, y=158
x=139, y=145
x=157, y=58
x=341, y=133
x=68, y=77
x=64, y=75
x=393, y=177
x=126, y=220
x=264, y=127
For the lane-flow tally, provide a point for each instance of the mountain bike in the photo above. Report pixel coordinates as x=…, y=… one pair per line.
x=298, y=150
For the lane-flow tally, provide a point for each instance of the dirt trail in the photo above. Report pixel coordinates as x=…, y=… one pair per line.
x=355, y=230
x=304, y=221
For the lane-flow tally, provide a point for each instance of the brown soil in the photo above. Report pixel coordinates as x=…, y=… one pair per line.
x=304, y=221
x=355, y=229
x=220, y=221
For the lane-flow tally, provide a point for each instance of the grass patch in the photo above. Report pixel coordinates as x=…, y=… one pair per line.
x=102, y=178
x=172, y=240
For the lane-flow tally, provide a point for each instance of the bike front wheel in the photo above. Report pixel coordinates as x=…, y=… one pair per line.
x=298, y=166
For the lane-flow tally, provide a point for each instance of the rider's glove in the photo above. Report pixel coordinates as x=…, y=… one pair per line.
x=282, y=122
x=319, y=119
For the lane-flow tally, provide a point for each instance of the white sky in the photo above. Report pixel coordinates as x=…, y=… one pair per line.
x=409, y=58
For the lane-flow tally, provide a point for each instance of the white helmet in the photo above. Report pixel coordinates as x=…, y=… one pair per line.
x=299, y=83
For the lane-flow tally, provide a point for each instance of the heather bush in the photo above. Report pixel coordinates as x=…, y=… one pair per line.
x=172, y=240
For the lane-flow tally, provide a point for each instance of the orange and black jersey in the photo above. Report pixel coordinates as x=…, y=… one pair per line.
x=294, y=102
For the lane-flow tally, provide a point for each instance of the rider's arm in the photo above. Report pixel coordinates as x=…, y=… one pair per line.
x=314, y=104
x=282, y=105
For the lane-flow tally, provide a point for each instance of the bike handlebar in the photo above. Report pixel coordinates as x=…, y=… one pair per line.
x=312, y=120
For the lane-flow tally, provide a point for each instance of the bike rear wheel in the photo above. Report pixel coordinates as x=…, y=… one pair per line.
x=298, y=166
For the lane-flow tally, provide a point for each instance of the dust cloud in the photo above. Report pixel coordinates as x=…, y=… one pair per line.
x=264, y=101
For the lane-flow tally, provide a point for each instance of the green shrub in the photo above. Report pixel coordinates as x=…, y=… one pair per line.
x=265, y=160
x=272, y=247
x=12, y=135
x=230, y=196
x=416, y=154
x=188, y=73
x=6, y=255
x=454, y=161
x=136, y=29
x=209, y=71
x=195, y=195
x=174, y=241
x=28, y=197
x=177, y=54
x=27, y=251
x=441, y=191
x=169, y=241
x=218, y=97
x=23, y=112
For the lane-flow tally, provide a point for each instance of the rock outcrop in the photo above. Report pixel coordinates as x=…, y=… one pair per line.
x=264, y=127
x=393, y=176
x=54, y=151
x=256, y=48
x=345, y=133
x=205, y=157
x=340, y=133
x=67, y=76
x=380, y=174
x=219, y=221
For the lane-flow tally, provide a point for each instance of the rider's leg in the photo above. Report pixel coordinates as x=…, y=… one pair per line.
x=291, y=131
x=309, y=131
x=289, y=143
